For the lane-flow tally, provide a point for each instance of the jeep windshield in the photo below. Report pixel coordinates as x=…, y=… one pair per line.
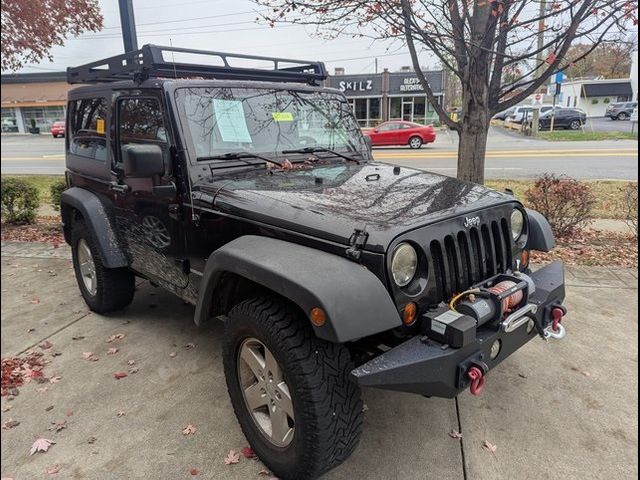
x=224, y=121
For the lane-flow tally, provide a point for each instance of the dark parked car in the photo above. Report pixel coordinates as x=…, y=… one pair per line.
x=620, y=111
x=567, y=118
x=251, y=194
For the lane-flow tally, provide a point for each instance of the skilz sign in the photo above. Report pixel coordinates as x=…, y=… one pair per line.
x=357, y=86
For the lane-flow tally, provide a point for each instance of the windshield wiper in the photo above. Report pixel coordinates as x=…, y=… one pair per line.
x=321, y=149
x=241, y=156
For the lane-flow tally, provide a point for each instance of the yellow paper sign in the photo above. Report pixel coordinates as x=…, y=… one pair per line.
x=282, y=116
x=100, y=126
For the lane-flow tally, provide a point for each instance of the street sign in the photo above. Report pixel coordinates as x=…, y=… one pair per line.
x=559, y=77
x=537, y=100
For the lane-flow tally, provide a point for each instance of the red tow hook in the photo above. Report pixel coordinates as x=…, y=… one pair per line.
x=477, y=380
x=556, y=314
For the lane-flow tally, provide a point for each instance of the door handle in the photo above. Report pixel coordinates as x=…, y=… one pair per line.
x=118, y=187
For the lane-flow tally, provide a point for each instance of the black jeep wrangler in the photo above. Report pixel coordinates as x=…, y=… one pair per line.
x=244, y=187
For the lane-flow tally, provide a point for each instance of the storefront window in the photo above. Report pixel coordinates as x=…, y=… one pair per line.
x=9, y=120
x=360, y=111
x=44, y=117
x=374, y=112
x=395, y=110
x=419, y=104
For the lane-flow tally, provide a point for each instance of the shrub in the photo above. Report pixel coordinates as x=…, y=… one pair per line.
x=565, y=202
x=629, y=206
x=56, y=190
x=19, y=201
x=606, y=100
x=595, y=101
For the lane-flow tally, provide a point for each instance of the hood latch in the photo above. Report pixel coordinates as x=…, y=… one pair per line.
x=357, y=241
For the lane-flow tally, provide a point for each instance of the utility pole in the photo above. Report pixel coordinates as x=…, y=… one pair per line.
x=376, y=62
x=539, y=61
x=128, y=23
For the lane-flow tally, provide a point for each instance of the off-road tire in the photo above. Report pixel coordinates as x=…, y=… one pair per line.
x=115, y=286
x=415, y=142
x=327, y=404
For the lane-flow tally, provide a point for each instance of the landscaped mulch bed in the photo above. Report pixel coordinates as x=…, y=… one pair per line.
x=46, y=229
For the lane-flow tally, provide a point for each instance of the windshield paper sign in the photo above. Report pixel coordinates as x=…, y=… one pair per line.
x=230, y=121
x=282, y=116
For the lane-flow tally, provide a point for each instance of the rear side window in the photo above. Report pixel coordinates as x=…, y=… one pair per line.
x=141, y=121
x=87, y=128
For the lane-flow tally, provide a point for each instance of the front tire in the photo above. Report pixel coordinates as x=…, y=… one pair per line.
x=623, y=116
x=291, y=391
x=103, y=289
x=575, y=125
x=415, y=142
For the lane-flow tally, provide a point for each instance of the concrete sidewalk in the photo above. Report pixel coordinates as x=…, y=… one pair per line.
x=554, y=410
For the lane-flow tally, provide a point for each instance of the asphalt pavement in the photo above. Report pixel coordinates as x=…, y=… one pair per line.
x=508, y=156
x=554, y=410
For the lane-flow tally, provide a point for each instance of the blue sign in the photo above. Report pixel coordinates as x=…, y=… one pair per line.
x=559, y=77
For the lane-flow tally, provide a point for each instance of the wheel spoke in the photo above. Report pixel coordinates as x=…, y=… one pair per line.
x=254, y=361
x=255, y=396
x=284, y=401
x=272, y=367
x=280, y=429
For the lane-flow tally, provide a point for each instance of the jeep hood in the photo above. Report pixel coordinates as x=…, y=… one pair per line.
x=331, y=201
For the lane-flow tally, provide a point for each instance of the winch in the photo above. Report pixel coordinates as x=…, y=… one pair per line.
x=491, y=301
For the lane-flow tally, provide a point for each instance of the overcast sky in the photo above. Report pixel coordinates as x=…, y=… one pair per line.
x=227, y=26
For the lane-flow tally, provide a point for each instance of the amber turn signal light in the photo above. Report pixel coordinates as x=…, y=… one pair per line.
x=317, y=317
x=524, y=259
x=409, y=313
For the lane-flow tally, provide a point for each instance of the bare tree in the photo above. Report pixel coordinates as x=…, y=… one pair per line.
x=501, y=51
x=31, y=28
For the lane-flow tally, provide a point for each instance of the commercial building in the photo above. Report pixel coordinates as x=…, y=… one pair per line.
x=376, y=98
x=27, y=97
x=593, y=96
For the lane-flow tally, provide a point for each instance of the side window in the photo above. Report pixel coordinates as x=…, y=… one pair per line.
x=87, y=128
x=388, y=127
x=140, y=121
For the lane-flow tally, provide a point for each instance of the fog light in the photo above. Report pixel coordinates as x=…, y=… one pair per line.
x=409, y=313
x=317, y=317
x=495, y=349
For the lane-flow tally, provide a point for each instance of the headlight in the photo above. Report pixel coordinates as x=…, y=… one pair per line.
x=517, y=223
x=404, y=264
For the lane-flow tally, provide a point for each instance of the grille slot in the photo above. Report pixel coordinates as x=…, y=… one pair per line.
x=468, y=256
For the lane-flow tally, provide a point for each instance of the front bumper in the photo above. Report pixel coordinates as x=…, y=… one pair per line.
x=426, y=367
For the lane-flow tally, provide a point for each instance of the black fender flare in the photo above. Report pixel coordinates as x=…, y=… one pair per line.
x=540, y=236
x=355, y=301
x=98, y=219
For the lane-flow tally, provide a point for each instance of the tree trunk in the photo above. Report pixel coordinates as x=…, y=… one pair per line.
x=473, y=143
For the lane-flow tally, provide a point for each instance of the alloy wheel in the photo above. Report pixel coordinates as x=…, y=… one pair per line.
x=87, y=267
x=156, y=232
x=266, y=393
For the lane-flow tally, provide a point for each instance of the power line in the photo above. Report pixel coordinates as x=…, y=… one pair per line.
x=190, y=19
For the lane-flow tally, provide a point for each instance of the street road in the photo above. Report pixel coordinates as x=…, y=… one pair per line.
x=508, y=156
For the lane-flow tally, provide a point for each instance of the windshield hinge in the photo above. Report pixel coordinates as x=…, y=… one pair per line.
x=357, y=241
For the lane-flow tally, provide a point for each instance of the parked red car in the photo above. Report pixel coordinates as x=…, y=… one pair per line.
x=401, y=133
x=57, y=129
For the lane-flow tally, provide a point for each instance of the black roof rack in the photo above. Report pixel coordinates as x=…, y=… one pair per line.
x=153, y=61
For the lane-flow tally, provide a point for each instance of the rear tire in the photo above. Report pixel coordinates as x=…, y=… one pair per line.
x=575, y=125
x=415, y=142
x=326, y=409
x=103, y=289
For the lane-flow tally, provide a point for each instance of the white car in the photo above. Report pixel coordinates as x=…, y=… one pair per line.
x=523, y=112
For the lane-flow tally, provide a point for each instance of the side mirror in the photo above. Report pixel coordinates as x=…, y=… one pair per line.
x=142, y=161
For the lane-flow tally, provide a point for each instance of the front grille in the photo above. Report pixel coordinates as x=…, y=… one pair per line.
x=466, y=257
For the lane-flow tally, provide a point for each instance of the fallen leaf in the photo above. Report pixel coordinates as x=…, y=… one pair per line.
x=91, y=440
x=53, y=469
x=248, y=452
x=77, y=337
x=489, y=447
x=31, y=330
x=87, y=355
x=455, y=434
x=55, y=379
x=189, y=430
x=173, y=354
x=265, y=473
x=121, y=413
x=42, y=389
x=116, y=336
x=49, y=408
x=56, y=354
x=112, y=351
x=10, y=424
x=69, y=413
x=119, y=375
x=232, y=458
x=6, y=408
x=190, y=345
x=41, y=445
x=57, y=426
x=131, y=362
x=583, y=372
x=46, y=345
x=134, y=370
x=194, y=471
x=522, y=375
x=35, y=301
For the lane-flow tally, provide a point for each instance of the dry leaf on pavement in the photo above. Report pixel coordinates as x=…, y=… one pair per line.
x=489, y=447
x=116, y=336
x=247, y=452
x=10, y=424
x=455, y=434
x=232, y=458
x=57, y=426
x=52, y=470
x=55, y=379
x=119, y=375
x=190, y=345
x=189, y=430
x=112, y=351
x=41, y=445
x=172, y=354
x=121, y=413
x=194, y=471
x=46, y=345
